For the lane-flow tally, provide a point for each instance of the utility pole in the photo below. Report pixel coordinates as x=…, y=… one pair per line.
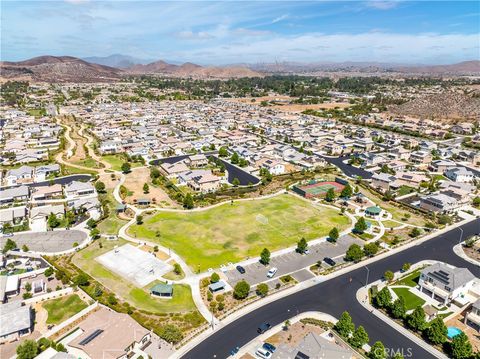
x=368, y=272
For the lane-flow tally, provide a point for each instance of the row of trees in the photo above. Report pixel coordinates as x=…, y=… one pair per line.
x=355, y=253
x=434, y=331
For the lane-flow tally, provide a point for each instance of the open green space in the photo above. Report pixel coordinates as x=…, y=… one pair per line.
x=404, y=190
x=61, y=309
x=111, y=224
x=88, y=162
x=410, y=280
x=391, y=224
x=234, y=231
x=411, y=300
x=70, y=170
x=116, y=161
x=140, y=298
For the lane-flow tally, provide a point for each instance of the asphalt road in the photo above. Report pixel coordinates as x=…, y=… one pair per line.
x=63, y=180
x=48, y=242
x=350, y=171
x=337, y=295
x=244, y=177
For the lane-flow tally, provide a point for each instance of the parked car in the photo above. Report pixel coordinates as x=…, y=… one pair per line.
x=272, y=272
x=234, y=351
x=263, y=353
x=329, y=261
x=263, y=328
x=270, y=347
x=8, y=234
x=241, y=269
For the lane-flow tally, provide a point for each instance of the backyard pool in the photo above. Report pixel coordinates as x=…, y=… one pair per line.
x=453, y=332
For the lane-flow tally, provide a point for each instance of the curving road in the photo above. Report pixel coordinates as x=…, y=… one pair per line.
x=339, y=294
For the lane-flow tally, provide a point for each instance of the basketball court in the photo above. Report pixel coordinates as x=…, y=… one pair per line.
x=134, y=264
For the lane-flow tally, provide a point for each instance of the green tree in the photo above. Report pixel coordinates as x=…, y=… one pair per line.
x=91, y=223
x=214, y=278
x=370, y=249
x=53, y=221
x=28, y=286
x=262, y=289
x=377, y=351
x=346, y=191
x=406, y=266
x=383, y=298
x=460, y=347
x=415, y=232
x=399, y=309
x=81, y=280
x=476, y=202
x=27, y=350
x=330, y=196
x=344, y=326
x=437, y=331
x=48, y=272
x=333, y=234
x=170, y=333
x=302, y=245
x=236, y=182
x=177, y=269
x=146, y=188
x=188, y=201
x=416, y=320
x=100, y=186
x=235, y=158
x=9, y=245
x=70, y=217
x=25, y=248
x=139, y=219
x=94, y=233
x=154, y=173
x=223, y=152
x=361, y=225
x=241, y=290
x=354, y=253
x=126, y=168
x=359, y=337
x=388, y=275
x=265, y=256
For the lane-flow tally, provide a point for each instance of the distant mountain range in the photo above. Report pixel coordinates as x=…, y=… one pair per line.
x=112, y=68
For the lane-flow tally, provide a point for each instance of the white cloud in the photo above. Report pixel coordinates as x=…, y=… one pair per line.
x=190, y=35
x=382, y=5
x=280, y=18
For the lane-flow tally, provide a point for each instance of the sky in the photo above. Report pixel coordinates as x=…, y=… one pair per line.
x=231, y=32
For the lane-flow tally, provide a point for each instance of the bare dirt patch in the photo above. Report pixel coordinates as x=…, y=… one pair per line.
x=134, y=183
x=294, y=334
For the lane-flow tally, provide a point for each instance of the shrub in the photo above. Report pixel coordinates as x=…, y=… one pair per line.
x=262, y=289
x=241, y=290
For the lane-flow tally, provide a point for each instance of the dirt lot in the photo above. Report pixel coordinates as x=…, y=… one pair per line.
x=473, y=252
x=295, y=333
x=134, y=183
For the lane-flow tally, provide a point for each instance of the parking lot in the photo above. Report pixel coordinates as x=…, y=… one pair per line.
x=47, y=242
x=294, y=262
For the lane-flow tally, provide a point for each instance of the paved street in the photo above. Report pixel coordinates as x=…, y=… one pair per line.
x=293, y=261
x=337, y=295
x=48, y=242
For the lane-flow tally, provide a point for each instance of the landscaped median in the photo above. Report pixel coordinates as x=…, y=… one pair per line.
x=237, y=230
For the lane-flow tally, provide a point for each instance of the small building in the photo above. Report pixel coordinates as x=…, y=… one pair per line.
x=216, y=287
x=162, y=290
x=373, y=211
x=17, y=321
x=143, y=202
x=472, y=318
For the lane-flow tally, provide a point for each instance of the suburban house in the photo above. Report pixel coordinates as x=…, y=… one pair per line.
x=421, y=157
x=313, y=346
x=109, y=335
x=17, y=321
x=172, y=170
x=47, y=192
x=77, y=189
x=15, y=194
x=44, y=211
x=9, y=286
x=23, y=174
x=205, y=183
x=445, y=283
x=459, y=174
x=273, y=166
x=439, y=202
x=472, y=318
x=382, y=181
x=43, y=172
x=196, y=161
x=13, y=215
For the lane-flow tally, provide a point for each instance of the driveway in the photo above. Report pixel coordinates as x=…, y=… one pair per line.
x=38, y=225
x=47, y=242
x=293, y=262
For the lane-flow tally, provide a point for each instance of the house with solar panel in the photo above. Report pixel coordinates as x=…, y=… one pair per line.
x=446, y=283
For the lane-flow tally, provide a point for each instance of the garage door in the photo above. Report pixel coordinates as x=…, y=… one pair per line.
x=38, y=225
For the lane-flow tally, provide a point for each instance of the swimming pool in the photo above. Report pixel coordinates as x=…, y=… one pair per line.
x=453, y=332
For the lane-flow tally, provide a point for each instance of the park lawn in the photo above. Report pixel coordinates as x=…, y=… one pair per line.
x=411, y=300
x=403, y=190
x=140, y=298
x=116, y=161
x=410, y=280
x=391, y=224
x=61, y=309
x=111, y=224
x=88, y=162
x=234, y=231
x=70, y=170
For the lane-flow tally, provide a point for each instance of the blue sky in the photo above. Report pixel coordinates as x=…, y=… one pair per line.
x=209, y=32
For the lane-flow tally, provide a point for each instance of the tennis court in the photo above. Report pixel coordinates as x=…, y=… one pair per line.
x=317, y=189
x=137, y=266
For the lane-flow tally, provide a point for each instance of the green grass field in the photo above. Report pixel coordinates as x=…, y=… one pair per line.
x=111, y=224
x=140, y=298
x=411, y=300
x=232, y=232
x=116, y=161
x=61, y=309
x=411, y=279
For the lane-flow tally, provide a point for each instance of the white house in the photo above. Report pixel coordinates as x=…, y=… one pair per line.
x=459, y=174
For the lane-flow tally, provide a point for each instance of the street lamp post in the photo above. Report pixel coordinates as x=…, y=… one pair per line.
x=461, y=235
x=368, y=272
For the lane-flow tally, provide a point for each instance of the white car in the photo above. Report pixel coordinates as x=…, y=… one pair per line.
x=272, y=272
x=263, y=353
